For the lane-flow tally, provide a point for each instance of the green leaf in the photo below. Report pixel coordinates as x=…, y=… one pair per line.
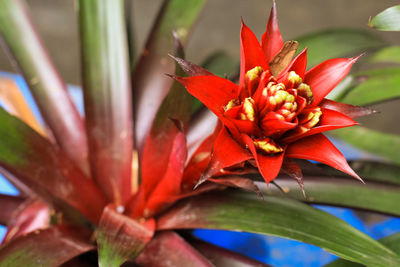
x=45, y=169
x=120, y=238
x=334, y=43
x=221, y=64
x=377, y=171
x=50, y=247
x=382, y=144
x=345, y=192
x=369, y=171
x=282, y=217
x=176, y=105
x=387, y=20
x=150, y=83
x=392, y=242
x=387, y=54
x=129, y=19
x=107, y=95
x=376, y=86
x=49, y=91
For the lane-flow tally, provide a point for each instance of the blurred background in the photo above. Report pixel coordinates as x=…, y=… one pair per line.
x=218, y=29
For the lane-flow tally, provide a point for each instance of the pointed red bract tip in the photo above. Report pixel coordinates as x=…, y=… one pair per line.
x=318, y=148
x=354, y=59
x=251, y=53
x=271, y=40
x=190, y=68
x=324, y=77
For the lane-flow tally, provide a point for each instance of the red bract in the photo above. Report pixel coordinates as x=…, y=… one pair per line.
x=276, y=112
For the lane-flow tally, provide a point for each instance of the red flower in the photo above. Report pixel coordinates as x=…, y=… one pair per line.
x=273, y=115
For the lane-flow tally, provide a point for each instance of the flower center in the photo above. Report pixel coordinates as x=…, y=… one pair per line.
x=273, y=108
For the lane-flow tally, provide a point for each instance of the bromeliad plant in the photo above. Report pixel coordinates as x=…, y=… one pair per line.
x=278, y=110
x=115, y=181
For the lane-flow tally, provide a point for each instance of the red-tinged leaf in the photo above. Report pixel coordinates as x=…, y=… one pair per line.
x=325, y=76
x=251, y=53
x=170, y=183
x=28, y=53
x=238, y=182
x=121, y=238
x=271, y=40
x=107, y=96
x=226, y=152
x=221, y=257
x=349, y=110
x=8, y=205
x=155, y=159
x=169, y=249
x=149, y=82
x=329, y=120
x=46, y=169
x=317, y=147
x=30, y=216
x=269, y=165
x=49, y=247
x=200, y=127
x=165, y=148
x=160, y=161
x=190, y=68
x=215, y=92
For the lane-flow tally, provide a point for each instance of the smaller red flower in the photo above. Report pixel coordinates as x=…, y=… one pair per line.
x=273, y=116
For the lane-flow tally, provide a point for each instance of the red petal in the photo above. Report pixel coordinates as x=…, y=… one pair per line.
x=271, y=40
x=245, y=126
x=251, y=53
x=329, y=120
x=298, y=65
x=271, y=125
x=325, y=76
x=269, y=165
x=349, y=110
x=319, y=148
x=215, y=92
x=226, y=152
